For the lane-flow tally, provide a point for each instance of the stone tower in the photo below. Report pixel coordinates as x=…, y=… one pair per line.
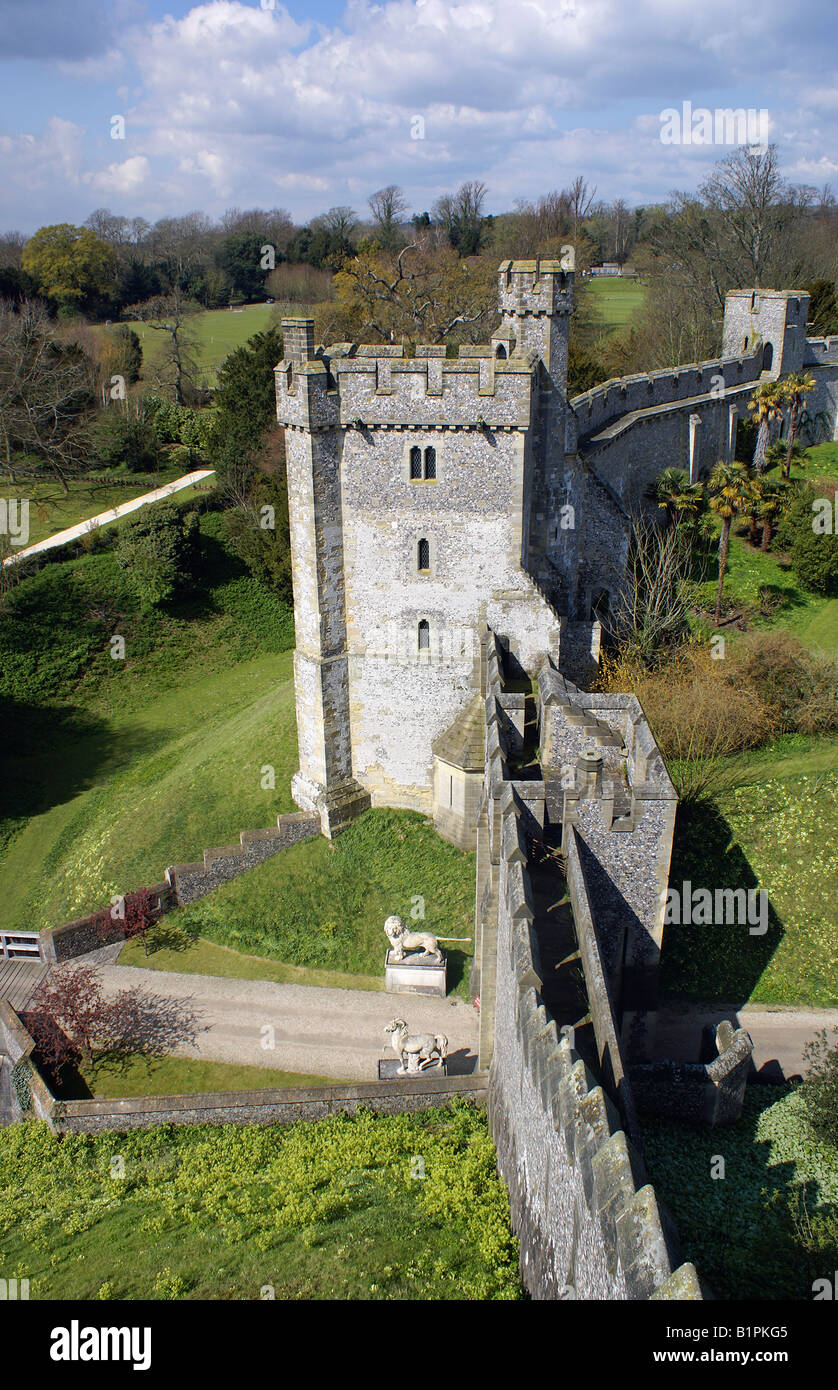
x=772, y=319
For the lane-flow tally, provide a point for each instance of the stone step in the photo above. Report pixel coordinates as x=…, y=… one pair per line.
x=222, y=852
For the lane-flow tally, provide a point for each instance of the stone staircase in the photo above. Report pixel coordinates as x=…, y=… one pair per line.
x=225, y=862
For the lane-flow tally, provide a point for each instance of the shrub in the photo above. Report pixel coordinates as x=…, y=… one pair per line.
x=159, y=551
x=814, y=557
x=819, y=1089
x=798, y=688
x=125, y=439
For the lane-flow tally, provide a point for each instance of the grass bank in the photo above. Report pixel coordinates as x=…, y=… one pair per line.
x=333, y=1210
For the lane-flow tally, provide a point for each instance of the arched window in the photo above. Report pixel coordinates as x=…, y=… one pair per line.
x=767, y=357
x=415, y=463
x=501, y=350
x=424, y=556
x=424, y=636
x=430, y=463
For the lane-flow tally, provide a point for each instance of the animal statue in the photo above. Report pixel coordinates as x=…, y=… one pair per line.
x=402, y=939
x=416, y=1051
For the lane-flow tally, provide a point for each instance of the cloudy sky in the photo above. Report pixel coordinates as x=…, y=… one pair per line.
x=314, y=103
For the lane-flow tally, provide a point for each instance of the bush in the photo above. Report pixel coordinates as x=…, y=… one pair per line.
x=159, y=551
x=819, y=1090
x=814, y=557
x=264, y=548
x=125, y=439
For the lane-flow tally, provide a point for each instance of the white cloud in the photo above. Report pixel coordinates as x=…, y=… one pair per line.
x=235, y=99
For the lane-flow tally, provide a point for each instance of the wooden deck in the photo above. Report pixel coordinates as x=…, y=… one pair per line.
x=18, y=978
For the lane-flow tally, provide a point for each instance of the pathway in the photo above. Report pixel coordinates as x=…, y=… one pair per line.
x=322, y=1032
x=75, y=532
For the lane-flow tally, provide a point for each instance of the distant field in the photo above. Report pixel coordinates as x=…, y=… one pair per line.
x=615, y=302
x=218, y=332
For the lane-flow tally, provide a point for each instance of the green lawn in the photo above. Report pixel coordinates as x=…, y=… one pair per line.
x=811, y=617
x=742, y=1229
x=218, y=332
x=777, y=830
x=401, y=1207
x=322, y=903
x=50, y=510
x=109, y=1077
x=172, y=948
x=615, y=301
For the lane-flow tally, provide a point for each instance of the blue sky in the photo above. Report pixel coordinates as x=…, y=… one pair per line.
x=308, y=105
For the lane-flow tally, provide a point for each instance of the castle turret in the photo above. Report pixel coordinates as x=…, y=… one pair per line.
x=772, y=319
x=536, y=301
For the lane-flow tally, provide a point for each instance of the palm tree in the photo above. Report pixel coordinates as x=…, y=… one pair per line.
x=781, y=455
x=793, y=391
x=764, y=406
x=729, y=495
x=666, y=490
x=772, y=501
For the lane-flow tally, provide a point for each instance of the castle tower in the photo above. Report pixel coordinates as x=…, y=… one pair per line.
x=774, y=320
x=536, y=301
x=313, y=442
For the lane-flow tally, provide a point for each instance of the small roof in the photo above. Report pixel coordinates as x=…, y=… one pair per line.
x=462, y=744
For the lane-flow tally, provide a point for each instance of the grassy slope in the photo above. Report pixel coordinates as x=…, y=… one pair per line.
x=111, y=1077
x=317, y=1211
x=615, y=301
x=322, y=903
x=778, y=830
x=811, y=617
x=119, y=769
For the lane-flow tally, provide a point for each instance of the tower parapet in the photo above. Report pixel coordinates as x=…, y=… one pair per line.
x=774, y=320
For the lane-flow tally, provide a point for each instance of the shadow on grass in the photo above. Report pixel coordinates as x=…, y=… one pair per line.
x=719, y=963
x=762, y=1234
x=49, y=754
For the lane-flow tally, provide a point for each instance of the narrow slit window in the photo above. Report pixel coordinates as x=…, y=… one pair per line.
x=424, y=636
x=415, y=463
x=424, y=556
x=430, y=463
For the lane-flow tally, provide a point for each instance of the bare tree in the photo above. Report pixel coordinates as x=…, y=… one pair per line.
x=341, y=220
x=46, y=391
x=388, y=207
x=581, y=199
x=172, y=314
x=650, y=607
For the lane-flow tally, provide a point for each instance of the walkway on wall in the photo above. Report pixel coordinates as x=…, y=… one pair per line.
x=18, y=978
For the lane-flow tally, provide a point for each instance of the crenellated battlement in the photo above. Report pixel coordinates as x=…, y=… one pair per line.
x=375, y=385
x=647, y=390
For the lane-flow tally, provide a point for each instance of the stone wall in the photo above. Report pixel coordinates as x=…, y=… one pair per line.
x=589, y=1223
x=697, y=1094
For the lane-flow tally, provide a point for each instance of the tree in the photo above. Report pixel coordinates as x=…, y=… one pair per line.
x=823, y=307
x=140, y=915
x=649, y=611
x=46, y=393
x=765, y=406
x=461, y=217
x=240, y=255
x=792, y=391
x=171, y=314
x=158, y=549
x=425, y=293
x=124, y=436
x=773, y=497
x=245, y=402
x=678, y=498
x=819, y=1090
x=813, y=554
x=67, y=1014
x=70, y=264
x=388, y=207
x=728, y=496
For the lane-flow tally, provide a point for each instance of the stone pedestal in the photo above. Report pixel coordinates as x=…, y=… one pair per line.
x=388, y=1070
x=415, y=976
